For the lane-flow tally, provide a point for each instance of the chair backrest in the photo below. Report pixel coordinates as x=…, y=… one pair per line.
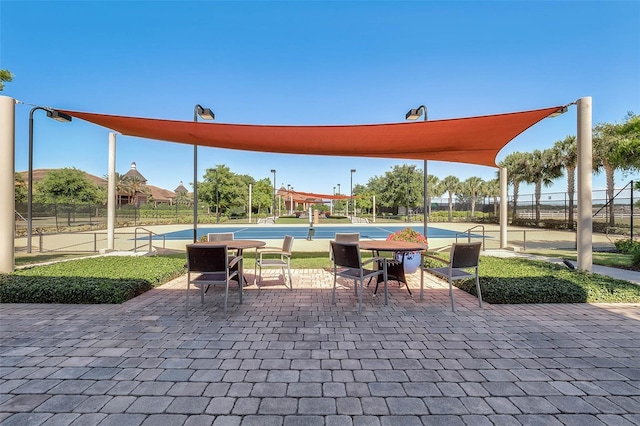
x=287, y=244
x=207, y=258
x=347, y=238
x=346, y=255
x=465, y=255
x=220, y=236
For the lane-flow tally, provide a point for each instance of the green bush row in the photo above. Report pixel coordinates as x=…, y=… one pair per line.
x=631, y=247
x=110, y=279
x=512, y=281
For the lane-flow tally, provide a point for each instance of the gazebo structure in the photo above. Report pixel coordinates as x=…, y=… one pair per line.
x=473, y=140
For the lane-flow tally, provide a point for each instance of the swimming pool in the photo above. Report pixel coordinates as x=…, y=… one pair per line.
x=322, y=232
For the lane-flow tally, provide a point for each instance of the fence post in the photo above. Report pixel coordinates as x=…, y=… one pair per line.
x=524, y=240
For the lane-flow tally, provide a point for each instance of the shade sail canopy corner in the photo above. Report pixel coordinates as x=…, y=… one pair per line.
x=473, y=140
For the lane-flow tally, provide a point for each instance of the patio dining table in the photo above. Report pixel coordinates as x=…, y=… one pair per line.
x=238, y=245
x=395, y=269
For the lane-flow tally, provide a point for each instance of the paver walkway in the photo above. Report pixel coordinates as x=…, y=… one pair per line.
x=292, y=358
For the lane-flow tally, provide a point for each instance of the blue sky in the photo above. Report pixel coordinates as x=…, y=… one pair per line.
x=308, y=63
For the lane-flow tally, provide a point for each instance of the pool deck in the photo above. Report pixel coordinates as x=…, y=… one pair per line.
x=294, y=358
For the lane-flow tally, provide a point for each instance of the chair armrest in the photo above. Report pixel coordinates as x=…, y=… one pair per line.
x=268, y=248
x=234, y=261
x=375, y=259
x=430, y=256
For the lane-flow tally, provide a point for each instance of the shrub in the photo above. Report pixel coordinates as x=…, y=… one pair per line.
x=529, y=281
x=109, y=279
x=627, y=246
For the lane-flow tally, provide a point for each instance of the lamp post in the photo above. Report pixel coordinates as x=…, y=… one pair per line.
x=273, y=211
x=414, y=114
x=217, y=199
x=55, y=115
x=334, y=194
x=408, y=194
x=353, y=202
x=205, y=114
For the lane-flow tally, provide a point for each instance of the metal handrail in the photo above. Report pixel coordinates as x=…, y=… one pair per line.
x=151, y=233
x=468, y=232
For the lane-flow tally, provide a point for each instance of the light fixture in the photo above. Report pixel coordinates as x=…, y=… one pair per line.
x=206, y=114
x=559, y=112
x=414, y=114
x=58, y=116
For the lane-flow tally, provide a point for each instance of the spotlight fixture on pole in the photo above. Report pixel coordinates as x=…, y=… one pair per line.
x=205, y=114
x=55, y=115
x=273, y=211
x=414, y=114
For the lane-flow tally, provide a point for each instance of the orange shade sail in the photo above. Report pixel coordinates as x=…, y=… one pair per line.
x=474, y=140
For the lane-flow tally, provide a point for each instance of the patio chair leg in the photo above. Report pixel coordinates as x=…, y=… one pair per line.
x=226, y=296
x=360, y=296
x=186, y=309
x=421, y=283
x=290, y=280
x=333, y=292
x=479, y=292
x=453, y=305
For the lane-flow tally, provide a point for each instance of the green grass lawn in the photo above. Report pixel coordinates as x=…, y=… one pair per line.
x=114, y=279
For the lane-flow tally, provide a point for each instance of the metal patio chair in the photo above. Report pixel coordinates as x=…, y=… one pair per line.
x=347, y=263
x=463, y=257
x=275, y=257
x=210, y=265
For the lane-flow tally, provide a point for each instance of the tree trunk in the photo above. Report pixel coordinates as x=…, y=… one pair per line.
x=571, y=192
x=538, y=194
x=450, y=207
x=473, y=207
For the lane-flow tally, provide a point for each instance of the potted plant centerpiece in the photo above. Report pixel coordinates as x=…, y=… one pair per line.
x=411, y=259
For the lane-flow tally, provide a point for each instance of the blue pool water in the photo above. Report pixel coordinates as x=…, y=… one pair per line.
x=275, y=232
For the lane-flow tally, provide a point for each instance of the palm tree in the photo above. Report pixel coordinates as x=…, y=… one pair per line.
x=449, y=184
x=433, y=183
x=492, y=189
x=515, y=165
x=567, y=153
x=609, y=140
x=135, y=186
x=122, y=186
x=542, y=167
x=472, y=188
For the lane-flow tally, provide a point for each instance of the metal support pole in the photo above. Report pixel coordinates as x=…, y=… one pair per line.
x=504, y=211
x=7, y=178
x=373, y=199
x=250, y=188
x=111, y=191
x=585, y=161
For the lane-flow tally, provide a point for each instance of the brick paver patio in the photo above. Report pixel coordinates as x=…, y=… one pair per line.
x=292, y=358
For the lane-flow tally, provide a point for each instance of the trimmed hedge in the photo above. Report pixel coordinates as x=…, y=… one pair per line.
x=110, y=279
x=513, y=280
